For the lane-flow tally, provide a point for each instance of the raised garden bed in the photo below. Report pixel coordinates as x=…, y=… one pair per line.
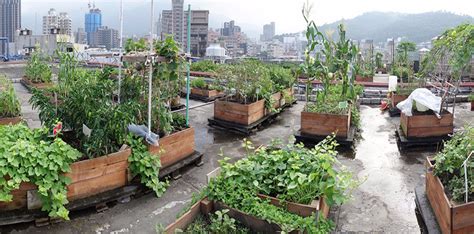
x=88, y=178
x=28, y=84
x=364, y=79
x=206, y=93
x=422, y=125
x=234, y=112
x=175, y=147
x=202, y=207
x=397, y=98
x=319, y=124
x=7, y=121
x=451, y=217
x=316, y=207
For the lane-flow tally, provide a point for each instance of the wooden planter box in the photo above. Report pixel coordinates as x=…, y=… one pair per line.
x=277, y=100
x=205, y=93
x=325, y=124
x=452, y=218
x=239, y=113
x=27, y=82
x=88, y=178
x=395, y=99
x=174, y=147
x=202, y=207
x=12, y=121
x=286, y=92
x=317, y=206
x=364, y=79
x=417, y=126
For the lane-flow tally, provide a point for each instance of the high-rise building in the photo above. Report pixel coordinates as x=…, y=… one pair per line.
x=93, y=21
x=80, y=36
x=174, y=22
x=62, y=22
x=230, y=29
x=268, y=32
x=105, y=37
x=10, y=20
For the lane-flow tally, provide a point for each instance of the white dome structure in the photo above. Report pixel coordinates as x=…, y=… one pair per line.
x=215, y=51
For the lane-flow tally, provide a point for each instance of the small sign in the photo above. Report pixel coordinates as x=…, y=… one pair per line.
x=86, y=130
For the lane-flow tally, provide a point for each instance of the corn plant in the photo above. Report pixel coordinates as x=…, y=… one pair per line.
x=9, y=104
x=37, y=69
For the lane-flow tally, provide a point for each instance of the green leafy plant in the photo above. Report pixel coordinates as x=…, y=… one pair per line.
x=199, y=83
x=292, y=173
x=9, y=104
x=136, y=46
x=247, y=82
x=448, y=165
x=32, y=156
x=145, y=165
x=281, y=77
x=471, y=97
x=205, y=66
x=455, y=46
x=37, y=69
x=333, y=70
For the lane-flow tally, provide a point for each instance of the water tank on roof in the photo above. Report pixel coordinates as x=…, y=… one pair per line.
x=215, y=50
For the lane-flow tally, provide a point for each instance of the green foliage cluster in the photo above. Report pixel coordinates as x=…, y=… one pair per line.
x=136, y=46
x=85, y=97
x=205, y=66
x=330, y=65
x=471, y=97
x=291, y=173
x=199, y=83
x=146, y=165
x=32, y=156
x=455, y=45
x=281, y=77
x=247, y=82
x=37, y=69
x=9, y=104
x=449, y=165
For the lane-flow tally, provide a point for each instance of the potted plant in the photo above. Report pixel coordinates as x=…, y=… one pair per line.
x=451, y=46
x=290, y=182
x=176, y=137
x=334, y=109
x=248, y=90
x=97, y=127
x=202, y=90
x=10, y=109
x=446, y=180
x=283, y=80
x=38, y=72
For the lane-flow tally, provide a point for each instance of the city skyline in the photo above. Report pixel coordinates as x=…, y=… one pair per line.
x=245, y=12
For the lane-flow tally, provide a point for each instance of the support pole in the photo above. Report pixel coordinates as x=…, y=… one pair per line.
x=150, y=75
x=121, y=51
x=189, y=65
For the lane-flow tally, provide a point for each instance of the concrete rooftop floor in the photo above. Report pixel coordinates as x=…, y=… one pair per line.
x=383, y=203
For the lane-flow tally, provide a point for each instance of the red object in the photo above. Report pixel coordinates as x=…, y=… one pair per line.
x=384, y=105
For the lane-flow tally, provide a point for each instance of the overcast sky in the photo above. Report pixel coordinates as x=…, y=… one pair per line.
x=250, y=14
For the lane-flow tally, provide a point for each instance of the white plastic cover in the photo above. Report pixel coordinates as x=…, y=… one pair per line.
x=421, y=96
x=392, y=83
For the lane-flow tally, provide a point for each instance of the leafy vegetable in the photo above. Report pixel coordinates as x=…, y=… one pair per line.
x=31, y=156
x=37, y=70
x=448, y=166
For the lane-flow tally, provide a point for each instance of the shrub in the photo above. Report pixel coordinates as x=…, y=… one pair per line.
x=9, y=104
x=204, y=66
x=199, y=83
x=37, y=70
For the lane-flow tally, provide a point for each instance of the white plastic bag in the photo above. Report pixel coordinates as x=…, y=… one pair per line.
x=421, y=96
x=392, y=83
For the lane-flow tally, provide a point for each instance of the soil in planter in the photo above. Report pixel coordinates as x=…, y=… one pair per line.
x=429, y=112
x=203, y=224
